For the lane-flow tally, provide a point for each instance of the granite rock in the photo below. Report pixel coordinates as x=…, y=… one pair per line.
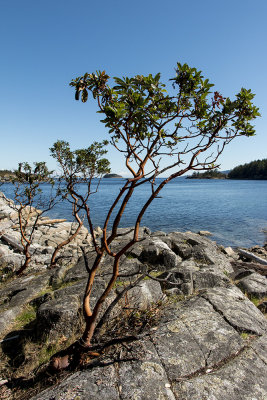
x=254, y=285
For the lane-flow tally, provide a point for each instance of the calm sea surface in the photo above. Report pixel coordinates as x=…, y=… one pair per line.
x=234, y=211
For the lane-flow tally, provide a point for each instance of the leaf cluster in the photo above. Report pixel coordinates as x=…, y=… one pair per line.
x=31, y=174
x=81, y=164
x=27, y=179
x=141, y=114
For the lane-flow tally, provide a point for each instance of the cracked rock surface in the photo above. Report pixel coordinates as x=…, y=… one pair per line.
x=254, y=285
x=207, y=343
x=15, y=295
x=195, y=353
x=242, y=378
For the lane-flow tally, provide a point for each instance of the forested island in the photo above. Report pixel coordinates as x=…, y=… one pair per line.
x=112, y=176
x=6, y=175
x=254, y=170
x=211, y=174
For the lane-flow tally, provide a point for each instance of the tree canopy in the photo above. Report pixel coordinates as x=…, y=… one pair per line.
x=142, y=116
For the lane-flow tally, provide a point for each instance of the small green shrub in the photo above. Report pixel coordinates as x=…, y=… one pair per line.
x=244, y=335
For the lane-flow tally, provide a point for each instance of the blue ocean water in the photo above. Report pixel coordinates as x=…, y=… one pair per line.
x=234, y=211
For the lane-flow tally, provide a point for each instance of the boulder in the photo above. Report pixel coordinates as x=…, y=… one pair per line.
x=11, y=262
x=144, y=295
x=7, y=212
x=205, y=233
x=58, y=318
x=231, y=253
x=254, y=285
x=188, y=277
x=128, y=267
x=78, y=271
x=209, y=278
x=242, y=273
x=157, y=252
x=202, y=250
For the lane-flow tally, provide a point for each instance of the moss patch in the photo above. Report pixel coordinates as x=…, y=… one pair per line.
x=244, y=336
x=25, y=317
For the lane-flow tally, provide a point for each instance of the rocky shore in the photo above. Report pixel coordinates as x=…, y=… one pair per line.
x=197, y=320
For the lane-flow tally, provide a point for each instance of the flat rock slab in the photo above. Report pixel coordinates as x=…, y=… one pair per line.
x=16, y=295
x=193, y=338
x=243, y=378
x=144, y=379
x=96, y=384
x=133, y=380
x=236, y=309
x=194, y=353
x=254, y=285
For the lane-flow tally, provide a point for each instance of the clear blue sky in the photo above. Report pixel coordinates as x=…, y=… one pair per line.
x=44, y=44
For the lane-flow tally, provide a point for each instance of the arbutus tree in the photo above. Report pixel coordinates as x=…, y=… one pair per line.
x=31, y=204
x=158, y=133
x=79, y=167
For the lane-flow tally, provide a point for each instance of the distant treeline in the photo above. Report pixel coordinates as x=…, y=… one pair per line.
x=6, y=175
x=253, y=170
x=5, y=172
x=212, y=174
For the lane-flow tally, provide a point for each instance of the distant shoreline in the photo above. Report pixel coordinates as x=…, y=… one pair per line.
x=205, y=177
x=227, y=178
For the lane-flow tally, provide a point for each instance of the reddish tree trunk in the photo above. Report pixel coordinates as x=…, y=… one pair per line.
x=27, y=259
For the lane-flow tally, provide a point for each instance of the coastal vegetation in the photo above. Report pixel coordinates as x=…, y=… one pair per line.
x=256, y=170
x=213, y=174
x=4, y=172
x=79, y=166
x=6, y=175
x=30, y=202
x=253, y=170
